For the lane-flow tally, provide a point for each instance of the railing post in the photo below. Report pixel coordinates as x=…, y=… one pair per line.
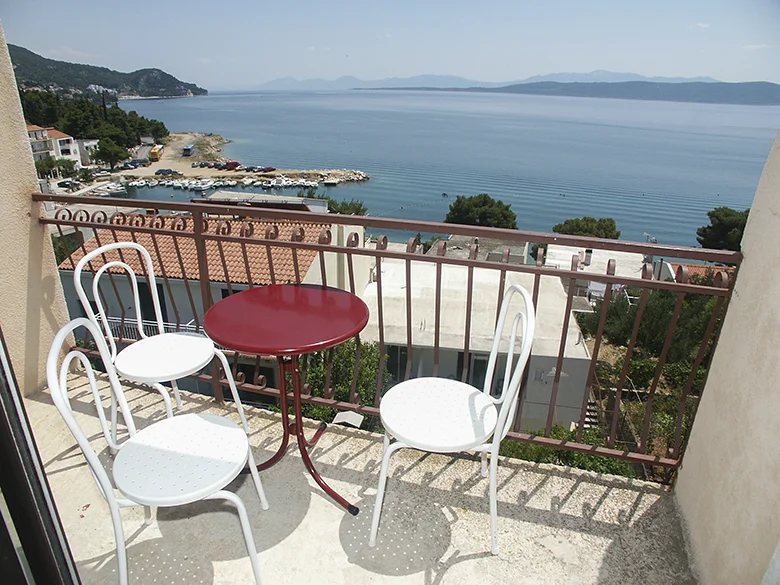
x=205, y=294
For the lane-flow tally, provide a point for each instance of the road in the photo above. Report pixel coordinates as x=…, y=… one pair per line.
x=143, y=152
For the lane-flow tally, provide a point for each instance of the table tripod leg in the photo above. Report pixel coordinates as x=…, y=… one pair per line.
x=285, y=419
x=303, y=444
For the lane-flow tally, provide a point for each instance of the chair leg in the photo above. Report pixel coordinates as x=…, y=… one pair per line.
x=147, y=515
x=233, y=390
x=256, y=477
x=176, y=394
x=245, y=528
x=484, y=457
x=166, y=399
x=380, y=491
x=119, y=536
x=493, y=505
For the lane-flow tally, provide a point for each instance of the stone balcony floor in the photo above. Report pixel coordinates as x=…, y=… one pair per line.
x=556, y=525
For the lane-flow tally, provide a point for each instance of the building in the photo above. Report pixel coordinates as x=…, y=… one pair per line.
x=39, y=142
x=452, y=319
x=231, y=266
x=86, y=146
x=50, y=142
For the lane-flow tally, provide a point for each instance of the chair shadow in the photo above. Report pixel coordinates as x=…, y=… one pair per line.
x=151, y=561
x=413, y=534
x=216, y=523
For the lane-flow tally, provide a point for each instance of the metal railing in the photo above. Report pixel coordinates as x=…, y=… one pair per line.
x=222, y=237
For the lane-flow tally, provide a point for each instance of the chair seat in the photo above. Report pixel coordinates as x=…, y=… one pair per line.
x=164, y=357
x=438, y=414
x=181, y=459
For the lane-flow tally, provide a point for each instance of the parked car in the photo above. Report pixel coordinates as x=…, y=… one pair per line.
x=102, y=173
x=67, y=184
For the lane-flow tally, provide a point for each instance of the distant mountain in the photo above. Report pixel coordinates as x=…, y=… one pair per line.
x=346, y=83
x=750, y=93
x=454, y=82
x=34, y=71
x=601, y=76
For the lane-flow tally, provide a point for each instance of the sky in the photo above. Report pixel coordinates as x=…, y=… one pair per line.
x=238, y=44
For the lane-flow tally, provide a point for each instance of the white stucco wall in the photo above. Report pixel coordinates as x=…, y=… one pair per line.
x=33, y=307
x=728, y=489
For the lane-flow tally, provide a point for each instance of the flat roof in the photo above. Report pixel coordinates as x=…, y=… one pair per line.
x=628, y=264
x=549, y=312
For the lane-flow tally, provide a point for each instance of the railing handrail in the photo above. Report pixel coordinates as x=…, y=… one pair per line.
x=218, y=226
x=522, y=236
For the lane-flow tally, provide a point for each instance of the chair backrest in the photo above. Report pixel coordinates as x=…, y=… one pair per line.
x=103, y=317
x=58, y=387
x=513, y=375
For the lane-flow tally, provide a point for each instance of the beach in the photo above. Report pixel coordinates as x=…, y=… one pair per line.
x=208, y=147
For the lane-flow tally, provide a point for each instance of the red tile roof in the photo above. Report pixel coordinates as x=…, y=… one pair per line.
x=184, y=262
x=34, y=128
x=54, y=133
x=701, y=269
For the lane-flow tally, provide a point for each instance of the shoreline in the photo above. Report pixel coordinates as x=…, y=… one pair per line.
x=208, y=147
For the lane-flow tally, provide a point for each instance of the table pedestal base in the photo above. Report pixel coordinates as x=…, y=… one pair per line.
x=296, y=428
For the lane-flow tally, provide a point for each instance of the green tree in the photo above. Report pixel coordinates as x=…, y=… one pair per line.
x=351, y=207
x=481, y=210
x=341, y=377
x=66, y=167
x=604, y=227
x=45, y=167
x=110, y=153
x=725, y=230
x=86, y=175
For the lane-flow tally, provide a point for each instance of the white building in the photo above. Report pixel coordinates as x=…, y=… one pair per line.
x=50, y=142
x=454, y=281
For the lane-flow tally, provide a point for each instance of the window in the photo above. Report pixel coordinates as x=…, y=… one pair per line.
x=396, y=361
x=147, y=305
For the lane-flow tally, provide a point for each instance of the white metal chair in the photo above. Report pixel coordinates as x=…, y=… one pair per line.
x=172, y=462
x=446, y=416
x=151, y=360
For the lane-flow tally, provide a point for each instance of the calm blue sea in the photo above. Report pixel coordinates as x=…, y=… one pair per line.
x=656, y=167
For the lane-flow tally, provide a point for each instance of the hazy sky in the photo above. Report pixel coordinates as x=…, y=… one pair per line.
x=240, y=43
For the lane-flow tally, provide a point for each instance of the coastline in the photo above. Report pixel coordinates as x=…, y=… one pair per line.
x=122, y=98
x=208, y=147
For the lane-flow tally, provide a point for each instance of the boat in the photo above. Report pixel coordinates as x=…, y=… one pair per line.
x=153, y=183
x=330, y=182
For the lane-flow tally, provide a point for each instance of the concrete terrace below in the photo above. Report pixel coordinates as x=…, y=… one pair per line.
x=556, y=525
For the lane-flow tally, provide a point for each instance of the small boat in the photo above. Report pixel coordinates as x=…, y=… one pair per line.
x=330, y=182
x=153, y=183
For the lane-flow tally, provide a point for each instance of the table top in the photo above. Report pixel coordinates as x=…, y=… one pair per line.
x=286, y=319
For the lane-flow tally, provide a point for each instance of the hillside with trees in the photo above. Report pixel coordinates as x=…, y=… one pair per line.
x=82, y=118
x=75, y=79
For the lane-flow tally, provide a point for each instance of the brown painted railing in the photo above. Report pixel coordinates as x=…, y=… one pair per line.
x=227, y=241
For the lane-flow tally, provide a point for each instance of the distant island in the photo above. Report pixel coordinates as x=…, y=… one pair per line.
x=752, y=93
x=595, y=84
x=77, y=80
x=455, y=82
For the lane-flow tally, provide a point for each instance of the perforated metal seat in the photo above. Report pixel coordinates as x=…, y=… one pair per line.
x=444, y=416
x=172, y=462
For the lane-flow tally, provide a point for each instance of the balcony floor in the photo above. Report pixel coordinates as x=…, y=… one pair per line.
x=556, y=525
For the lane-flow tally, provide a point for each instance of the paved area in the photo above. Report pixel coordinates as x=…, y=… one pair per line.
x=557, y=525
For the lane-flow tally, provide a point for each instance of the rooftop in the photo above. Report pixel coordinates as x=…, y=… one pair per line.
x=34, y=128
x=177, y=257
x=54, y=133
x=556, y=525
x=550, y=313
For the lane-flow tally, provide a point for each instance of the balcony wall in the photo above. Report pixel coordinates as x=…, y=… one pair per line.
x=33, y=306
x=728, y=489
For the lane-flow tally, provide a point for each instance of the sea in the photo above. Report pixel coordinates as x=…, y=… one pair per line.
x=657, y=168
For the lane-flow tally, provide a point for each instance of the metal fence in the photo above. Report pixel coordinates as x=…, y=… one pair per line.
x=197, y=244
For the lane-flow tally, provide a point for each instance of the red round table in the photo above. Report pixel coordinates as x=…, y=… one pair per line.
x=288, y=320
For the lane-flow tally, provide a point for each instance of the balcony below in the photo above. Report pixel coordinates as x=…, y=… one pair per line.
x=556, y=525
